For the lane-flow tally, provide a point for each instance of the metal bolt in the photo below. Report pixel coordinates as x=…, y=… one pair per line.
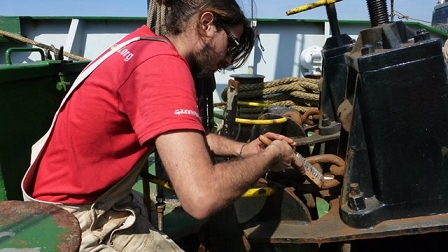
x=354, y=189
x=355, y=198
x=421, y=35
x=367, y=49
x=160, y=209
x=325, y=120
x=421, y=31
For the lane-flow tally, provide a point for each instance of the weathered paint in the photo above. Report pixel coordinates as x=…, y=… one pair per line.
x=34, y=226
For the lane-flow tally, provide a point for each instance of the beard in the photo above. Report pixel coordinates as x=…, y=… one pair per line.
x=201, y=63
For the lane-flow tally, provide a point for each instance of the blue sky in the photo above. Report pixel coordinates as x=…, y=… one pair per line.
x=416, y=10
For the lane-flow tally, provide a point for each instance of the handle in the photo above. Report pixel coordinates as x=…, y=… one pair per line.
x=310, y=6
x=22, y=49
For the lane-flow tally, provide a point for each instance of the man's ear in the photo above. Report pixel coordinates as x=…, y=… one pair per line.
x=206, y=20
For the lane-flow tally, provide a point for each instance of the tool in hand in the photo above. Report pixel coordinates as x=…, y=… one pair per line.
x=311, y=172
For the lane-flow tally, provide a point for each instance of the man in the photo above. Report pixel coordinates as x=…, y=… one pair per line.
x=140, y=97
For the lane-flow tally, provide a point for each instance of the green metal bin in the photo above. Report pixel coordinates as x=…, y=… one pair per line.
x=30, y=94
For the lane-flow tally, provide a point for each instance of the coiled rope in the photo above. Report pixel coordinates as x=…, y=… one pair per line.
x=299, y=93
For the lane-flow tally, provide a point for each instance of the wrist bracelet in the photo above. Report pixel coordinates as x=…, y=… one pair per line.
x=241, y=150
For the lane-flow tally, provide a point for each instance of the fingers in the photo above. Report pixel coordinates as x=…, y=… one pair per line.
x=298, y=165
x=287, y=153
x=284, y=145
x=288, y=159
x=274, y=136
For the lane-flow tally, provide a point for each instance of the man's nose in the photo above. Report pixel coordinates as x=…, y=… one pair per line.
x=228, y=60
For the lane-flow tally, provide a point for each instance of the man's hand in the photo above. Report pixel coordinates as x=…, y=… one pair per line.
x=256, y=146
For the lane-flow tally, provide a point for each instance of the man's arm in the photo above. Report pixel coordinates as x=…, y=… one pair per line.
x=223, y=146
x=204, y=188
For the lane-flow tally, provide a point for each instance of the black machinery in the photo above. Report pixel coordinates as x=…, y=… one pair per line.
x=396, y=138
x=386, y=96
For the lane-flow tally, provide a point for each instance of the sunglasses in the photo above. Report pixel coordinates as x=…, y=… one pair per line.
x=233, y=41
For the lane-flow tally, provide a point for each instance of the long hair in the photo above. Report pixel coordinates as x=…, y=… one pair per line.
x=228, y=12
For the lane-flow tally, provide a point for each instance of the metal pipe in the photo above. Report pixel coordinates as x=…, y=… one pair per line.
x=310, y=6
x=333, y=20
x=392, y=10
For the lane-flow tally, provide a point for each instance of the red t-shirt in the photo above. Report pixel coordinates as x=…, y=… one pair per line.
x=110, y=121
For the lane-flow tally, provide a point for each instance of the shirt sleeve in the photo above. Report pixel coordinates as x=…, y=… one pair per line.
x=160, y=96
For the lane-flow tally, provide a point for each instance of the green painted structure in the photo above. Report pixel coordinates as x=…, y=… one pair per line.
x=33, y=226
x=29, y=96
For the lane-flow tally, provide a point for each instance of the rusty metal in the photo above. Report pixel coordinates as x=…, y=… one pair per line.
x=27, y=224
x=356, y=198
x=160, y=206
x=231, y=109
x=337, y=166
x=327, y=127
x=331, y=229
x=291, y=127
x=313, y=113
x=345, y=114
x=314, y=139
x=332, y=168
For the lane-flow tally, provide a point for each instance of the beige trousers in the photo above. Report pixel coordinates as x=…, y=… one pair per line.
x=123, y=227
x=118, y=220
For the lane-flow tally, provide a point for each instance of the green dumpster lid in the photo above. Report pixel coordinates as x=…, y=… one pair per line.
x=35, y=226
